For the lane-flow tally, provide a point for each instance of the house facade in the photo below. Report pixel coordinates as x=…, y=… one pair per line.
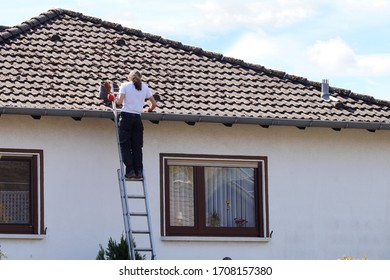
x=327, y=190
x=263, y=166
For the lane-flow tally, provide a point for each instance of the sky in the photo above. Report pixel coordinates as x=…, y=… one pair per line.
x=344, y=41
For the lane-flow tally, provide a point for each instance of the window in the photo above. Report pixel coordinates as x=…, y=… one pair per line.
x=21, y=191
x=214, y=196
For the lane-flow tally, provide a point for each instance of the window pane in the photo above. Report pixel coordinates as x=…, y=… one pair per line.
x=16, y=171
x=15, y=191
x=181, y=196
x=230, y=198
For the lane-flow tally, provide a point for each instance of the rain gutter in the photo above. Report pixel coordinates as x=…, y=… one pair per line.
x=193, y=119
x=266, y=122
x=39, y=112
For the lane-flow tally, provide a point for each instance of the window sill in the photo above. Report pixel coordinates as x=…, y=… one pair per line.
x=214, y=239
x=23, y=236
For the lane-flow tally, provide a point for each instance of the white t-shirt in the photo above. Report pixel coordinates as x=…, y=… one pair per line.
x=134, y=99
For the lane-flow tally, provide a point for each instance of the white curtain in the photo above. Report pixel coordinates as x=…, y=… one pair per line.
x=14, y=207
x=229, y=197
x=181, y=195
x=14, y=191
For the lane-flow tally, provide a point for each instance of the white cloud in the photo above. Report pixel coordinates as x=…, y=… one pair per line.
x=281, y=52
x=333, y=55
x=171, y=18
x=375, y=64
x=224, y=14
x=336, y=57
x=202, y=18
x=253, y=47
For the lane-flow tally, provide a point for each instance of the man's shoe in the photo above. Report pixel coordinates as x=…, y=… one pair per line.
x=139, y=175
x=130, y=175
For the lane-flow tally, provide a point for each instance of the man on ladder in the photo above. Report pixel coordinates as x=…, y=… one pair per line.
x=132, y=96
x=129, y=134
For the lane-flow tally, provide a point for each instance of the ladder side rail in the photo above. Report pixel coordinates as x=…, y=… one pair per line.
x=144, y=186
x=123, y=190
x=122, y=170
x=125, y=212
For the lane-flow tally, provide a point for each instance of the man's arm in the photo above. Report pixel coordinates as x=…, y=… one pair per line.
x=119, y=99
x=154, y=104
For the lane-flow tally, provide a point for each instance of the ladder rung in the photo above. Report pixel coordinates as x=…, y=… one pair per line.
x=134, y=179
x=143, y=249
x=140, y=231
x=139, y=214
x=133, y=196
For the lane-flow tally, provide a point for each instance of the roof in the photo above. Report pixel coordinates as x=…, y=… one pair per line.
x=53, y=64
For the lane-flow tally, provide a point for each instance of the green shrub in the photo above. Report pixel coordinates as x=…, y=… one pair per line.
x=116, y=251
x=2, y=254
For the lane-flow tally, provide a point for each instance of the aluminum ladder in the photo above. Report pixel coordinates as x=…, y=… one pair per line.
x=135, y=207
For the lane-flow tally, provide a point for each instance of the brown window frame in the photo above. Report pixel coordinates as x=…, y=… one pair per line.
x=35, y=159
x=261, y=228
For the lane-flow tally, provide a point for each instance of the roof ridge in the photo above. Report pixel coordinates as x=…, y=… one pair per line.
x=28, y=24
x=366, y=98
x=55, y=12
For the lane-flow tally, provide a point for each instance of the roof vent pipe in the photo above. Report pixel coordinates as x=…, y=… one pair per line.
x=325, y=90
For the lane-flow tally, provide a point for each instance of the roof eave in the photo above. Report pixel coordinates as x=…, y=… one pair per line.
x=192, y=119
x=265, y=122
x=39, y=112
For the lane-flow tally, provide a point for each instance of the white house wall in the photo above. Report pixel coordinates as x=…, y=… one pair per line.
x=82, y=203
x=328, y=190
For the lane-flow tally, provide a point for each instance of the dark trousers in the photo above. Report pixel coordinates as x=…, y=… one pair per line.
x=131, y=137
